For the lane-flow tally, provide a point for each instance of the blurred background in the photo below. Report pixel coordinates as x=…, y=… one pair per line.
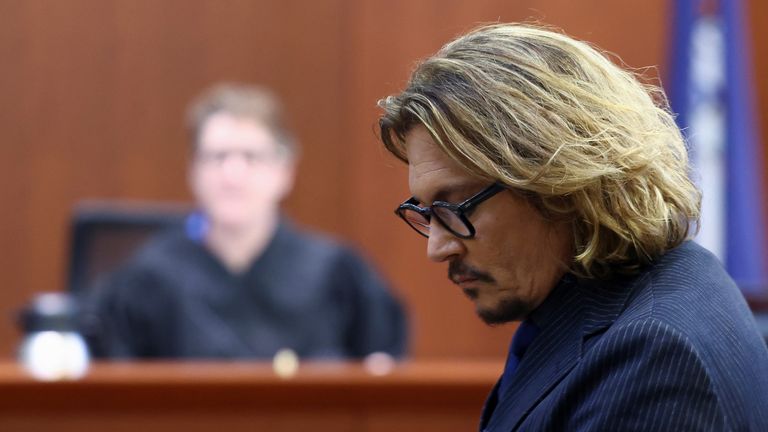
x=93, y=94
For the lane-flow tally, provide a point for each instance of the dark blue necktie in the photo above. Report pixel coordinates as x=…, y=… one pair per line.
x=520, y=343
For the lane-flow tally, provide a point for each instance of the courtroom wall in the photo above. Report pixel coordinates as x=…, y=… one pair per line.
x=93, y=94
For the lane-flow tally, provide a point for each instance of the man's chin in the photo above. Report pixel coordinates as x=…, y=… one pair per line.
x=504, y=312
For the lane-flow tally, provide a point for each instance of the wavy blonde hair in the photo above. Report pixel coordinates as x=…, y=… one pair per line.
x=554, y=119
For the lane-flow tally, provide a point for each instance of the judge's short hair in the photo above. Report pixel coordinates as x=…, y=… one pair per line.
x=243, y=101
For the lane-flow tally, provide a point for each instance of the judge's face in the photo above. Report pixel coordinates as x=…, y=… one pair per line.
x=238, y=174
x=516, y=257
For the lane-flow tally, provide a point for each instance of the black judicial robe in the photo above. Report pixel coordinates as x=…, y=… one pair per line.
x=174, y=299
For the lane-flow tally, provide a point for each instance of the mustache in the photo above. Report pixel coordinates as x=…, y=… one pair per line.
x=458, y=269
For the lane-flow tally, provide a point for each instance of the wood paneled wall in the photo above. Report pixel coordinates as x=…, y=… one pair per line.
x=92, y=95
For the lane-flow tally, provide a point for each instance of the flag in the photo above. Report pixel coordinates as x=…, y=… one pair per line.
x=712, y=93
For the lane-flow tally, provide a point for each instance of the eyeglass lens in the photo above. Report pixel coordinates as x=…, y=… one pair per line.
x=416, y=220
x=448, y=218
x=451, y=220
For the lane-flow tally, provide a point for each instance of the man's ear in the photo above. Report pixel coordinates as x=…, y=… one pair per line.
x=288, y=177
x=191, y=173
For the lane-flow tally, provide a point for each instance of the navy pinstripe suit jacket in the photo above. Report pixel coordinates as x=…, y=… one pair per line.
x=672, y=349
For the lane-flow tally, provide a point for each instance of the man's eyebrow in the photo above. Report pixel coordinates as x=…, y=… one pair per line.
x=451, y=192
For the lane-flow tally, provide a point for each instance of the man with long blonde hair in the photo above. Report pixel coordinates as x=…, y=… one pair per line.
x=555, y=186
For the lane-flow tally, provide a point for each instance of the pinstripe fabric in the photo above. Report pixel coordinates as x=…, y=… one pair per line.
x=673, y=349
x=524, y=335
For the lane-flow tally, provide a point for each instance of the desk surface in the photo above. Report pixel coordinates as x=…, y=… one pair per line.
x=197, y=396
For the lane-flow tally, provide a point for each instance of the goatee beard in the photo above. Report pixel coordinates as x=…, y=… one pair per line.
x=505, y=311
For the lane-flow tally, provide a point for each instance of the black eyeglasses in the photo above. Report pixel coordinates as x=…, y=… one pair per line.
x=454, y=217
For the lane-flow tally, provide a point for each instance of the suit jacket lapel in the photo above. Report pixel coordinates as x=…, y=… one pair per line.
x=571, y=312
x=552, y=354
x=489, y=406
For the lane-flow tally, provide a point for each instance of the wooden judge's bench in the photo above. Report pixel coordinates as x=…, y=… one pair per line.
x=227, y=397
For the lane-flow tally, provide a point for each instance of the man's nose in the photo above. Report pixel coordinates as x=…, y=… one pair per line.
x=441, y=244
x=234, y=165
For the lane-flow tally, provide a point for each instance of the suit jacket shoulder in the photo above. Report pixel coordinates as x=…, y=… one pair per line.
x=673, y=348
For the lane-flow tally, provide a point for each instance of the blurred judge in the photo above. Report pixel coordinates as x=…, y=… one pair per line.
x=241, y=281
